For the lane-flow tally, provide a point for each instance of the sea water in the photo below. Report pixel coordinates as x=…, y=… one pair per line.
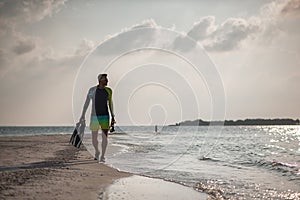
x=236, y=162
x=34, y=130
x=231, y=162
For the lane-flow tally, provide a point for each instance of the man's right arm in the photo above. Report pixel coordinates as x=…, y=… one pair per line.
x=85, y=106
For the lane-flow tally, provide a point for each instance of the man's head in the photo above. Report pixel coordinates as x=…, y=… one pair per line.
x=102, y=78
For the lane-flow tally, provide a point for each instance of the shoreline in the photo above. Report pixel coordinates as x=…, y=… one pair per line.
x=48, y=167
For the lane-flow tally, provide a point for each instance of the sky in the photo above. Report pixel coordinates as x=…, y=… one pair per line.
x=167, y=61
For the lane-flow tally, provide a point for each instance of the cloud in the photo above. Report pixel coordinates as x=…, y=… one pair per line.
x=280, y=20
x=5, y=27
x=127, y=38
x=280, y=8
x=24, y=46
x=85, y=47
x=148, y=23
x=234, y=32
x=230, y=34
x=14, y=13
x=3, y=58
x=28, y=11
x=202, y=28
x=292, y=7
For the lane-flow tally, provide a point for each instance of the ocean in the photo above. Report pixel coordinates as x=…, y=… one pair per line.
x=230, y=162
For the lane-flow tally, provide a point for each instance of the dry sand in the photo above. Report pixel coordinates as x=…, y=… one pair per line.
x=47, y=167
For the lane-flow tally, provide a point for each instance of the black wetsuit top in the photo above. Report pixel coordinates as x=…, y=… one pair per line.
x=101, y=98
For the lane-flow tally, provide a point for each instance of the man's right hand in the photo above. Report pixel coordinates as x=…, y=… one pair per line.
x=113, y=121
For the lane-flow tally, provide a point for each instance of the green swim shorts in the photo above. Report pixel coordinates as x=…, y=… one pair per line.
x=99, y=122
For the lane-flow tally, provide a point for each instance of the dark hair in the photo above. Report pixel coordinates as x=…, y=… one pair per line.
x=101, y=75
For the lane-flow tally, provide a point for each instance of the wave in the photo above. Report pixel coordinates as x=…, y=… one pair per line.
x=292, y=170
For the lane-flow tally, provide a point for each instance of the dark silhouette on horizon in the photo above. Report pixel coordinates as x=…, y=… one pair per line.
x=246, y=122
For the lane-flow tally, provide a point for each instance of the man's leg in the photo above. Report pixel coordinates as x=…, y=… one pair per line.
x=95, y=144
x=104, y=144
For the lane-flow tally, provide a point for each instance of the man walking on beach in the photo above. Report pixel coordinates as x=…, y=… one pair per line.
x=101, y=97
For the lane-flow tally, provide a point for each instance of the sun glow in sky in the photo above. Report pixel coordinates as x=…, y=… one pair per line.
x=254, y=46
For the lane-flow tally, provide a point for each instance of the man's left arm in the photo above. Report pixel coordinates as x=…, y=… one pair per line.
x=111, y=106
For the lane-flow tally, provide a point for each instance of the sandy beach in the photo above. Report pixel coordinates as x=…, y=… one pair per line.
x=47, y=167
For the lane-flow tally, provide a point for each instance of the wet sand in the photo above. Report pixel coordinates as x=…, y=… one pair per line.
x=139, y=187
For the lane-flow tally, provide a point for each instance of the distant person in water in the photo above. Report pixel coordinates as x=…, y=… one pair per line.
x=101, y=97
